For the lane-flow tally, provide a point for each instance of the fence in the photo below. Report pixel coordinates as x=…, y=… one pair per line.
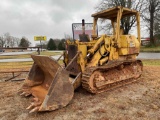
x=18, y=49
x=10, y=68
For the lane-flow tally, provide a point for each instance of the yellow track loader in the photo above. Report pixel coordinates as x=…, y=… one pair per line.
x=97, y=63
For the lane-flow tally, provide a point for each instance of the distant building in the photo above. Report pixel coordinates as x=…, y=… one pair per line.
x=145, y=41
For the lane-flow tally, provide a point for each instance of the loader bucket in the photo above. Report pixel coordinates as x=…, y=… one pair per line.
x=49, y=84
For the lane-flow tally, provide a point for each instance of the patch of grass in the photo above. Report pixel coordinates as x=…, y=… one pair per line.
x=15, y=65
x=16, y=56
x=150, y=49
x=19, y=65
x=60, y=62
x=51, y=53
x=151, y=62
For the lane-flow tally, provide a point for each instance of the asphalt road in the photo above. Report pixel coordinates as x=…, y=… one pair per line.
x=141, y=56
x=149, y=56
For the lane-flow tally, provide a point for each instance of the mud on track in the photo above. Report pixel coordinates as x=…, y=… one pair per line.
x=140, y=100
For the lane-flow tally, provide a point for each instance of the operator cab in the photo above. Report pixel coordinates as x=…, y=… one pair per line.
x=115, y=15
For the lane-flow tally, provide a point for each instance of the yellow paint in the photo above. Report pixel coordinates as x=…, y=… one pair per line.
x=83, y=49
x=117, y=45
x=123, y=51
x=38, y=38
x=96, y=57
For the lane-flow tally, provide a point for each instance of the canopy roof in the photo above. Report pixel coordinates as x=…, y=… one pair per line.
x=112, y=13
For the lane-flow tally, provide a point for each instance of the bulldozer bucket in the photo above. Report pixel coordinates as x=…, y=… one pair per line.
x=48, y=83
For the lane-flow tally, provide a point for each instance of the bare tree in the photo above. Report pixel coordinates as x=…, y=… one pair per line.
x=157, y=23
x=17, y=41
x=157, y=30
x=127, y=22
x=12, y=41
x=7, y=39
x=2, y=41
x=152, y=16
x=68, y=37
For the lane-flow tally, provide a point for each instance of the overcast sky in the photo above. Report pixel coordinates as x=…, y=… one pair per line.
x=52, y=18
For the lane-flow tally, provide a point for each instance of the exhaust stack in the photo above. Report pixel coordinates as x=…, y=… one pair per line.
x=83, y=37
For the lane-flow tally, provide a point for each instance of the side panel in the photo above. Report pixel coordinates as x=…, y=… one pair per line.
x=129, y=45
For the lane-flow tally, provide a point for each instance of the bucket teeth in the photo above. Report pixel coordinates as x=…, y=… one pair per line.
x=31, y=106
x=34, y=106
x=35, y=99
x=34, y=110
x=26, y=94
x=23, y=93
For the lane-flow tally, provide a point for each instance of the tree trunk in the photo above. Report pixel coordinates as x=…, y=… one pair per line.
x=151, y=24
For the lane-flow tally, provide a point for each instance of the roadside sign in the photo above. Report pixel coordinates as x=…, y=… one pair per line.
x=77, y=29
x=40, y=38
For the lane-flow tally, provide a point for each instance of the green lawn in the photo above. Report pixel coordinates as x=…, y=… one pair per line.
x=151, y=62
x=150, y=49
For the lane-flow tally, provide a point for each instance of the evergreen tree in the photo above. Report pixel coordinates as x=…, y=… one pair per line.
x=61, y=45
x=51, y=45
x=24, y=42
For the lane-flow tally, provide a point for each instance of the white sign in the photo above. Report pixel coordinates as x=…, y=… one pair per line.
x=77, y=29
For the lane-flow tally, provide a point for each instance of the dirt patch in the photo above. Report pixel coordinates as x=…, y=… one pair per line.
x=140, y=100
